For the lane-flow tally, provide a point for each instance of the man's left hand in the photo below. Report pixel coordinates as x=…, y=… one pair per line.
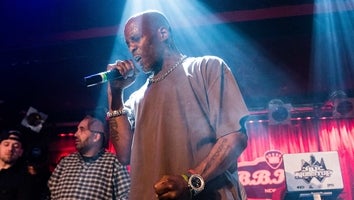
x=172, y=187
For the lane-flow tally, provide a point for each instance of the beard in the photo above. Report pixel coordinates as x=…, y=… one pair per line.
x=83, y=147
x=9, y=159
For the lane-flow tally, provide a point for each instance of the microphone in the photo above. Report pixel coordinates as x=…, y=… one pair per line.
x=102, y=77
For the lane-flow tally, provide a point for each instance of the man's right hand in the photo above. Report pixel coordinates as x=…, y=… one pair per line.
x=127, y=69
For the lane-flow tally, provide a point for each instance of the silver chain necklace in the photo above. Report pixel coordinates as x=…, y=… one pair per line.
x=163, y=76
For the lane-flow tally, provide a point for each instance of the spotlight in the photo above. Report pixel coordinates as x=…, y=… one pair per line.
x=343, y=108
x=278, y=112
x=34, y=120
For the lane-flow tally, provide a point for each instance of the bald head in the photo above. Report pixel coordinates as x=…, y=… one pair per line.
x=152, y=19
x=96, y=125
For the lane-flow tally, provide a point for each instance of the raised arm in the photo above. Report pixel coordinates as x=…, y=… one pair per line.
x=121, y=133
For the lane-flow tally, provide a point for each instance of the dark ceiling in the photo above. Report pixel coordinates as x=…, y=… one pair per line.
x=47, y=47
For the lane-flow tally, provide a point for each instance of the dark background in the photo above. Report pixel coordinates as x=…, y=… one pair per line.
x=47, y=47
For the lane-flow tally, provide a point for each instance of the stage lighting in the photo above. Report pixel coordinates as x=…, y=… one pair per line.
x=34, y=120
x=278, y=112
x=343, y=107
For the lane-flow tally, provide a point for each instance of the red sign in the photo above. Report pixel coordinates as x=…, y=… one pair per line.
x=262, y=176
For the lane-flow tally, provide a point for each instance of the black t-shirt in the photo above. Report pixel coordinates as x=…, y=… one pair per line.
x=15, y=184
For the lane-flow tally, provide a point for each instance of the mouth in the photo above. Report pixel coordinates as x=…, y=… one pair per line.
x=137, y=59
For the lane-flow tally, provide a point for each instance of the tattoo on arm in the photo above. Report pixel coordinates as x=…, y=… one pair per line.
x=113, y=125
x=217, y=157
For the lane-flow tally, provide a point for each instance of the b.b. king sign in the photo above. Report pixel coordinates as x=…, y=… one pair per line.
x=262, y=176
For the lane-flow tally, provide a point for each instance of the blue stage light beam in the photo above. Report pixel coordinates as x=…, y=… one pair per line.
x=333, y=45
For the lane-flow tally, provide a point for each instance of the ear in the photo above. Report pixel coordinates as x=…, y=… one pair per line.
x=97, y=137
x=163, y=33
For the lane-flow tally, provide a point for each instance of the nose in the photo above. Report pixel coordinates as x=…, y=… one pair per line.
x=12, y=148
x=132, y=48
x=76, y=133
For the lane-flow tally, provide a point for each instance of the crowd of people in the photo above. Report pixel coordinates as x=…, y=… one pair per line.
x=181, y=132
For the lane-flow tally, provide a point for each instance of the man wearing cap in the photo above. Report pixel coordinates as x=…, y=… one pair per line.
x=14, y=179
x=91, y=172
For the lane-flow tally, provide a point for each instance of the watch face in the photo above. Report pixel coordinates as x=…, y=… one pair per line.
x=196, y=182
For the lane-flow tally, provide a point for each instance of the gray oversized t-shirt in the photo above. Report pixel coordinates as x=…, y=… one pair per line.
x=177, y=120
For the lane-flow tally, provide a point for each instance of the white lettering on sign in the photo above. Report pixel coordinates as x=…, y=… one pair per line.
x=261, y=177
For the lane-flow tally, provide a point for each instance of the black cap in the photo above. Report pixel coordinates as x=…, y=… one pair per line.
x=11, y=134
